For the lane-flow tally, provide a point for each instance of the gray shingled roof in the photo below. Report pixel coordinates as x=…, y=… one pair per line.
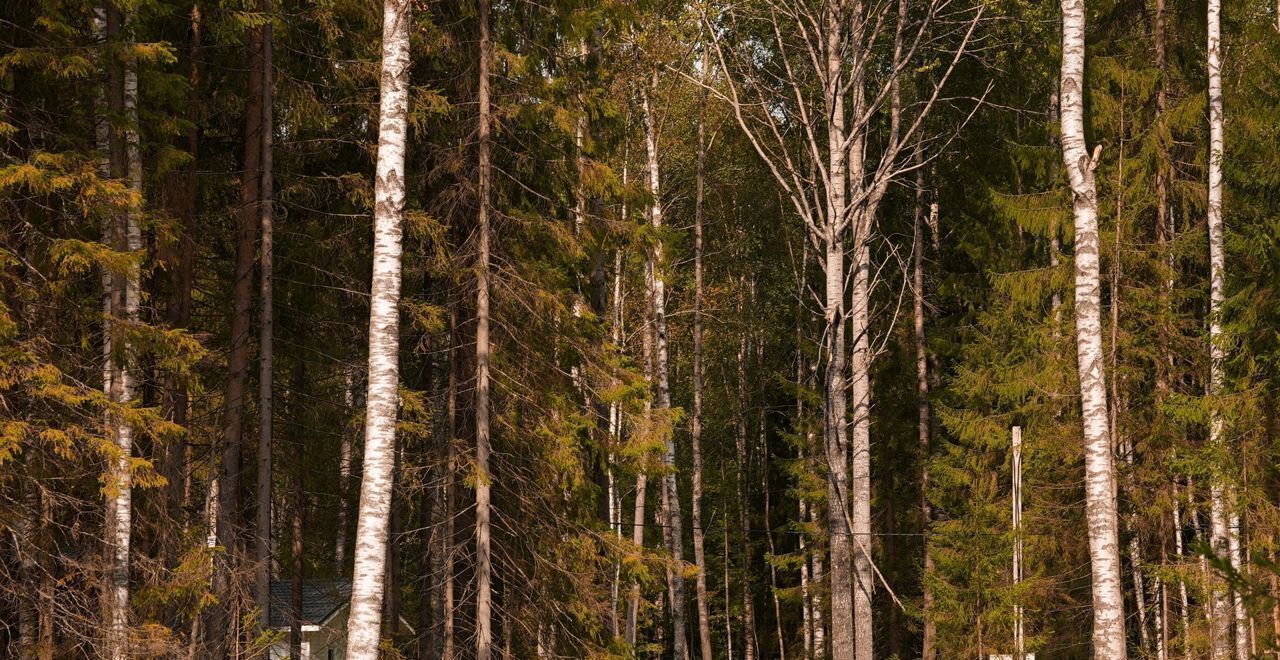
x=320, y=599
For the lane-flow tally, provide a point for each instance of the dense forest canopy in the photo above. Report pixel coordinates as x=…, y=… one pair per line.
x=640, y=328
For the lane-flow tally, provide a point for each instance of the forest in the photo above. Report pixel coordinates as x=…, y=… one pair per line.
x=786, y=329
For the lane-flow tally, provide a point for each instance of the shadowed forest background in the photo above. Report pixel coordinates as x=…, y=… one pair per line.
x=715, y=322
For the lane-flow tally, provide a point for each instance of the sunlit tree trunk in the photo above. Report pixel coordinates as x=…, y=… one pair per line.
x=126, y=299
x=673, y=522
x=1220, y=505
x=382, y=399
x=484, y=627
x=835, y=439
x=1100, y=493
x=695, y=423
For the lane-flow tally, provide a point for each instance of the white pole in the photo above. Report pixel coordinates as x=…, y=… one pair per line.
x=1019, y=642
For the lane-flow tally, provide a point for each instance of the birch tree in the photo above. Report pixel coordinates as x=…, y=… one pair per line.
x=695, y=422
x=126, y=295
x=1225, y=522
x=662, y=388
x=805, y=82
x=382, y=398
x=1100, y=482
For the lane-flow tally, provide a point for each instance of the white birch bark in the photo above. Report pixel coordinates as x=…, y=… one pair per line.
x=1219, y=493
x=123, y=386
x=1100, y=493
x=663, y=390
x=382, y=399
x=642, y=479
x=834, y=428
x=695, y=423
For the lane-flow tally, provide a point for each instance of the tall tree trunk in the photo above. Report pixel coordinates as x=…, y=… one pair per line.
x=1274, y=579
x=296, y=509
x=344, y=476
x=807, y=610
x=1100, y=493
x=860, y=446
x=835, y=439
x=742, y=494
x=391, y=597
x=642, y=479
x=484, y=628
x=637, y=539
x=27, y=551
x=923, y=421
x=382, y=398
x=1184, y=610
x=126, y=294
x=1220, y=496
x=695, y=423
x=228, y=510
x=266, y=351
x=182, y=197
x=1223, y=494
x=673, y=522
x=450, y=493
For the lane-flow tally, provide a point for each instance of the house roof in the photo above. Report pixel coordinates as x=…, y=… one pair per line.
x=320, y=600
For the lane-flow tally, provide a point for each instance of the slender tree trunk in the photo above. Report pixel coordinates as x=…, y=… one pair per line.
x=26, y=549
x=807, y=611
x=450, y=503
x=344, y=478
x=743, y=465
x=1100, y=493
x=382, y=399
x=773, y=567
x=484, y=628
x=1275, y=603
x=391, y=597
x=126, y=296
x=695, y=425
x=45, y=644
x=297, y=508
x=864, y=580
x=247, y=223
x=266, y=351
x=1184, y=609
x=819, y=574
x=1220, y=496
x=106, y=25
x=662, y=387
x=642, y=479
x=923, y=421
x=637, y=539
x=182, y=194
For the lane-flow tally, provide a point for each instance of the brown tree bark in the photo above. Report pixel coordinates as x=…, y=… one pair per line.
x=484, y=605
x=266, y=340
x=232, y=446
